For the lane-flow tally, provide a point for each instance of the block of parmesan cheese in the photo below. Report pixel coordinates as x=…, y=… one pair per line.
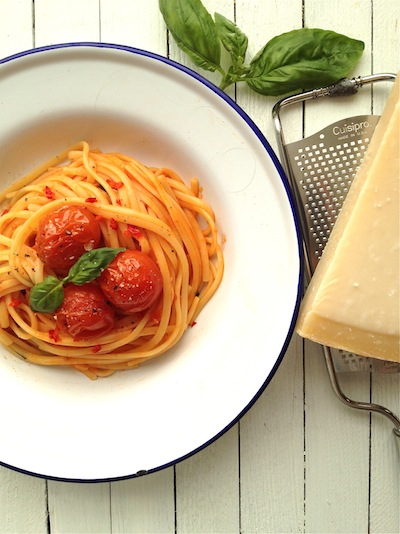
x=352, y=301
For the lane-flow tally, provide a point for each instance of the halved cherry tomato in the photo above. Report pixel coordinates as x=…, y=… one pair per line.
x=132, y=282
x=85, y=312
x=64, y=235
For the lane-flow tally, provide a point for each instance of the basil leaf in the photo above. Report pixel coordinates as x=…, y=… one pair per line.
x=233, y=39
x=303, y=59
x=46, y=296
x=91, y=264
x=194, y=31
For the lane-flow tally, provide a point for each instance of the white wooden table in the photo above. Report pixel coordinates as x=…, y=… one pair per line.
x=299, y=460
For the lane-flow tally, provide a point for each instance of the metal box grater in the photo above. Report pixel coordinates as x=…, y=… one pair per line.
x=321, y=168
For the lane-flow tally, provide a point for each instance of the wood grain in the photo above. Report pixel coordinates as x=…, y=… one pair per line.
x=23, y=503
x=385, y=449
x=207, y=488
x=145, y=504
x=71, y=20
x=76, y=507
x=269, y=462
x=134, y=23
x=16, y=26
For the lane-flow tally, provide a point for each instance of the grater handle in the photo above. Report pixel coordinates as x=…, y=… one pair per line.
x=344, y=87
x=367, y=406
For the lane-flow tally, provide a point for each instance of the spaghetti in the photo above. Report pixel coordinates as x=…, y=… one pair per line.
x=148, y=209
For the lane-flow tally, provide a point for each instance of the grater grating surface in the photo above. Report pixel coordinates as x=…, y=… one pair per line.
x=324, y=166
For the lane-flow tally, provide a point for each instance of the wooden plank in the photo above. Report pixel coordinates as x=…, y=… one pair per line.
x=385, y=447
x=337, y=438
x=66, y=21
x=77, y=507
x=23, y=503
x=16, y=28
x=271, y=452
x=144, y=504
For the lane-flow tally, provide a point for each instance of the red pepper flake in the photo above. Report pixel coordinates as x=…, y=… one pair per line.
x=119, y=202
x=133, y=231
x=49, y=193
x=193, y=323
x=113, y=224
x=54, y=334
x=91, y=200
x=16, y=302
x=115, y=185
x=5, y=211
x=96, y=348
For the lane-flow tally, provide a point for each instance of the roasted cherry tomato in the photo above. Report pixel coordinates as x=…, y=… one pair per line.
x=64, y=235
x=85, y=312
x=132, y=282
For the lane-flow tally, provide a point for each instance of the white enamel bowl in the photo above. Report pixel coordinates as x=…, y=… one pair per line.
x=58, y=424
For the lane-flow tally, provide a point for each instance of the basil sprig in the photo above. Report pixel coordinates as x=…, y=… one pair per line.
x=48, y=295
x=298, y=60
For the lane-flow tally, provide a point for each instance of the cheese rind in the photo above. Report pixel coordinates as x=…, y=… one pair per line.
x=353, y=301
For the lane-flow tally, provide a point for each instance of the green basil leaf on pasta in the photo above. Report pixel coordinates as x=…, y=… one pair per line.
x=47, y=296
x=193, y=29
x=303, y=59
x=91, y=264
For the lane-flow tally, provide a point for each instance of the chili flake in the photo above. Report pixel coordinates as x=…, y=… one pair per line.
x=133, y=231
x=96, y=348
x=49, y=193
x=91, y=200
x=115, y=185
x=113, y=224
x=16, y=302
x=54, y=334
